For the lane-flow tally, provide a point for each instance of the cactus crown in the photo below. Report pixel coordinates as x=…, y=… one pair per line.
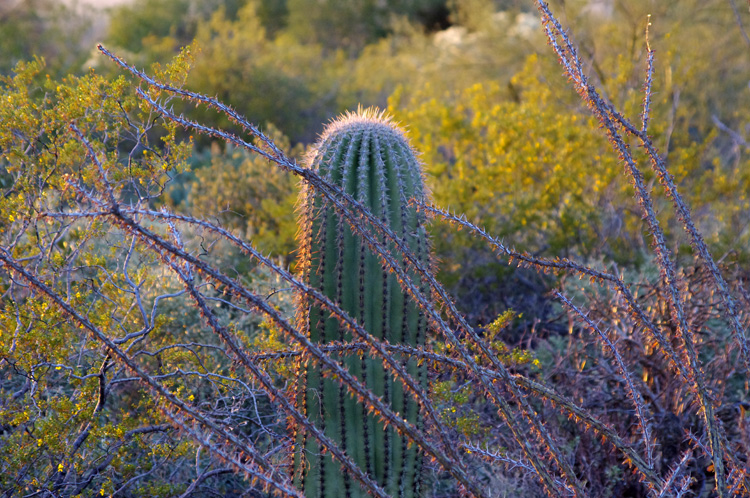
x=363, y=118
x=375, y=132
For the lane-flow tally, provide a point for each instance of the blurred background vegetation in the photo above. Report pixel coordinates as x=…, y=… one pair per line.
x=502, y=137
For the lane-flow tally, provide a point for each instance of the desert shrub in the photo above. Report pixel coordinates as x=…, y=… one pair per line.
x=72, y=419
x=42, y=28
x=531, y=167
x=243, y=193
x=353, y=25
x=256, y=74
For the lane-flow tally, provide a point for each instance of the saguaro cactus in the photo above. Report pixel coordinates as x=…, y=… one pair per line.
x=367, y=156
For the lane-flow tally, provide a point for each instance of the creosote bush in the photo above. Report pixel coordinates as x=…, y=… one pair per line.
x=125, y=315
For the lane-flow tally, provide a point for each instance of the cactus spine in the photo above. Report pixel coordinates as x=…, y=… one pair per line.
x=367, y=156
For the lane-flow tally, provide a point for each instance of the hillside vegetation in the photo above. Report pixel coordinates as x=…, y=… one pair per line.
x=190, y=288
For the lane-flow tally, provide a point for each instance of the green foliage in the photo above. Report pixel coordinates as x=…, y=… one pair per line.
x=136, y=25
x=687, y=36
x=277, y=81
x=535, y=171
x=457, y=410
x=499, y=142
x=259, y=204
x=44, y=28
x=366, y=156
x=354, y=24
x=72, y=421
x=523, y=168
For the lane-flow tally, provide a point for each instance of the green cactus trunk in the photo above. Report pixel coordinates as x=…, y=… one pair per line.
x=368, y=157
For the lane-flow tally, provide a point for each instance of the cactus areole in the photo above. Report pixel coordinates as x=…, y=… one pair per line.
x=367, y=156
